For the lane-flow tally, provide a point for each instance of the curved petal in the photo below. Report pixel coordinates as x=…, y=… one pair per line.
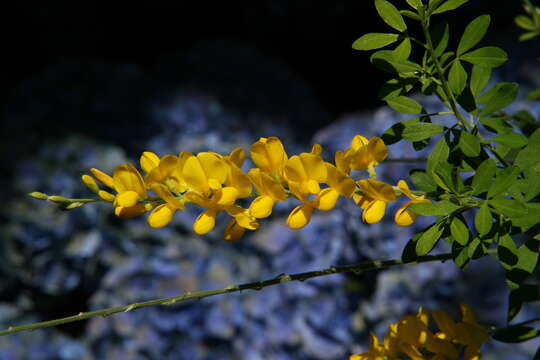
x=294, y=170
x=127, y=198
x=314, y=167
x=163, y=192
x=299, y=217
x=126, y=177
x=359, y=141
x=194, y=175
x=374, y=212
x=327, y=198
x=226, y=196
x=149, y=161
x=103, y=178
x=214, y=167
x=237, y=156
x=377, y=149
x=261, y=207
x=233, y=231
x=404, y=217
x=129, y=212
x=205, y=222
x=161, y=216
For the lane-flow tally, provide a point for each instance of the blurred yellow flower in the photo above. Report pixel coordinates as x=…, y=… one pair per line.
x=405, y=217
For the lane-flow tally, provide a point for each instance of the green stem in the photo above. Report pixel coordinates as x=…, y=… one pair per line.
x=449, y=94
x=283, y=278
x=446, y=89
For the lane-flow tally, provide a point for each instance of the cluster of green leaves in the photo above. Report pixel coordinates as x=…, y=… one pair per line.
x=530, y=22
x=483, y=171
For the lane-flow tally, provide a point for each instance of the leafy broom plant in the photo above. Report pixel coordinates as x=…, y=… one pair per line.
x=479, y=184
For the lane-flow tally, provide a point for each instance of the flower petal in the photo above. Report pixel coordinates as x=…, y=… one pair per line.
x=233, y=231
x=161, y=216
x=299, y=217
x=103, y=178
x=205, y=222
x=327, y=198
x=127, y=198
x=129, y=212
x=126, y=177
x=261, y=207
x=149, y=161
x=374, y=212
x=404, y=217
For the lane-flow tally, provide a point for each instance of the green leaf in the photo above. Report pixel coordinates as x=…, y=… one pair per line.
x=457, y=78
x=422, y=181
x=414, y=3
x=531, y=219
x=449, y=5
x=395, y=133
x=474, y=32
x=515, y=334
x=403, y=50
x=503, y=180
x=483, y=177
x=459, y=230
x=518, y=262
x=496, y=125
x=390, y=15
x=525, y=22
x=429, y=239
x=460, y=255
x=509, y=207
x=387, y=61
x=533, y=95
x=482, y=219
x=500, y=96
x=529, y=155
x=469, y=144
x=439, y=154
x=475, y=249
x=440, y=208
x=513, y=140
x=410, y=15
x=489, y=56
x=479, y=78
x=524, y=293
x=405, y=105
x=374, y=41
x=529, y=35
x=421, y=131
x=440, y=35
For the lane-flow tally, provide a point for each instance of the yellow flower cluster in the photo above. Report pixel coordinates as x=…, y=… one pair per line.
x=412, y=338
x=216, y=182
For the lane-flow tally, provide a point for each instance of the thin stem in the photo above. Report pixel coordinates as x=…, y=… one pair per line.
x=527, y=322
x=446, y=89
x=283, y=278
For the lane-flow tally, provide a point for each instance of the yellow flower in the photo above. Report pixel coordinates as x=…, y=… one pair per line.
x=339, y=183
x=364, y=153
x=376, y=196
x=269, y=155
x=130, y=188
x=270, y=192
x=205, y=172
x=306, y=171
x=405, y=217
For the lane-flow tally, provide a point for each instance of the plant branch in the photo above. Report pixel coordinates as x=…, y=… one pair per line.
x=283, y=278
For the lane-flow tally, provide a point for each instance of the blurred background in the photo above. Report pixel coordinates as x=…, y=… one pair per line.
x=88, y=84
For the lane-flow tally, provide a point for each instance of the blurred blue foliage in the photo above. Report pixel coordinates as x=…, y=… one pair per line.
x=56, y=263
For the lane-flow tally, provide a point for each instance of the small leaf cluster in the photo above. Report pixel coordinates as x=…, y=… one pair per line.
x=483, y=170
x=530, y=22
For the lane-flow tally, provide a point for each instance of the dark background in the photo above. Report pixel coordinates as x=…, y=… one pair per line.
x=312, y=38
